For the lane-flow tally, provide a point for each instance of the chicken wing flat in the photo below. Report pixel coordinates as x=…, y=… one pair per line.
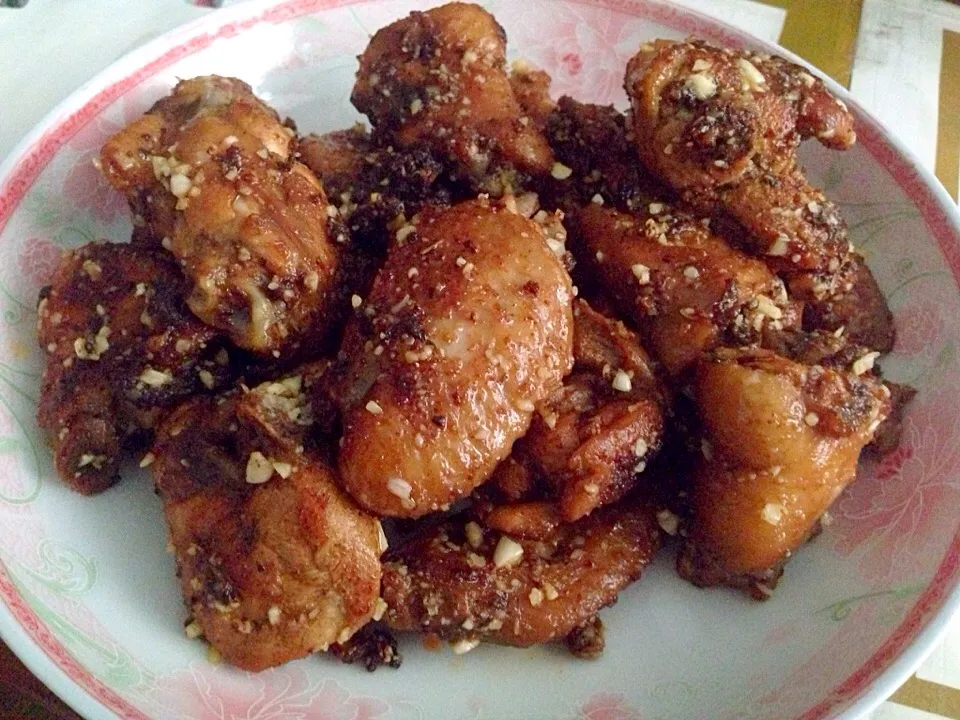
x=439, y=77
x=590, y=440
x=465, y=584
x=210, y=170
x=686, y=289
x=274, y=561
x=722, y=127
x=781, y=442
x=122, y=350
x=467, y=327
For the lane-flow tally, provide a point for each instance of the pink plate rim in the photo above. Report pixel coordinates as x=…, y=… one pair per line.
x=903, y=650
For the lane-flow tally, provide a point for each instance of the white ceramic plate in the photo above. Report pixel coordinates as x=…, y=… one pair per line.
x=88, y=594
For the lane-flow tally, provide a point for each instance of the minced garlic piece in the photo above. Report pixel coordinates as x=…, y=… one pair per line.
x=259, y=469
x=508, y=553
x=772, y=513
x=561, y=171
x=621, y=382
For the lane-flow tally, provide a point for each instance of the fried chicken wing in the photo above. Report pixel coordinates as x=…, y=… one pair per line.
x=781, y=442
x=722, y=128
x=210, y=169
x=468, y=325
x=122, y=350
x=439, y=77
x=591, y=439
x=274, y=560
x=685, y=288
x=465, y=584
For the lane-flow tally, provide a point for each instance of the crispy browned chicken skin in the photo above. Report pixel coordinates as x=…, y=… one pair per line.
x=122, y=350
x=439, y=77
x=722, y=128
x=274, y=560
x=684, y=287
x=467, y=327
x=210, y=170
x=465, y=584
x=590, y=440
x=781, y=442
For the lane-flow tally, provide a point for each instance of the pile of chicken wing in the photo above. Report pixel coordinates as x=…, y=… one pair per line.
x=462, y=372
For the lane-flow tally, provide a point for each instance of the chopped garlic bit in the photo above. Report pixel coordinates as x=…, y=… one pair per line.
x=536, y=597
x=561, y=171
x=701, y=85
x=865, y=363
x=399, y=487
x=273, y=615
x=464, y=645
x=193, y=630
x=259, y=468
x=373, y=407
x=753, y=78
x=155, y=378
x=772, y=513
x=640, y=447
x=641, y=273
x=668, y=521
x=621, y=382
x=508, y=553
x=474, y=534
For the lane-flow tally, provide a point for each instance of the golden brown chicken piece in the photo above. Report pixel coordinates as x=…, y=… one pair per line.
x=781, y=442
x=465, y=584
x=722, y=128
x=122, y=350
x=591, y=439
x=274, y=560
x=439, y=77
x=467, y=327
x=685, y=288
x=210, y=169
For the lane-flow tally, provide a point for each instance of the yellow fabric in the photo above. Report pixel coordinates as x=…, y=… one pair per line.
x=948, y=121
x=823, y=33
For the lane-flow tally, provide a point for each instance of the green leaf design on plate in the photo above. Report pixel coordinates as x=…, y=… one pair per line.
x=107, y=660
x=44, y=214
x=62, y=569
x=841, y=609
x=833, y=177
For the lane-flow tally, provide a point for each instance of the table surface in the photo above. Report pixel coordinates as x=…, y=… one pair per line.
x=900, y=58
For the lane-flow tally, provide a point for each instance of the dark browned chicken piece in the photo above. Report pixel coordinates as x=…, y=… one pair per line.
x=467, y=327
x=849, y=299
x=722, y=128
x=781, y=442
x=122, y=349
x=590, y=440
x=337, y=157
x=439, y=77
x=684, y=287
x=210, y=169
x=595, y=157
x=274, y=560
x=531, y=87
x=375, y=189
x=465, y=584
